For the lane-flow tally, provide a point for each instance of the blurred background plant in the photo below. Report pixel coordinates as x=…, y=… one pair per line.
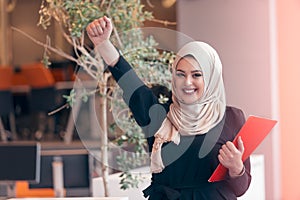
x=150, y=63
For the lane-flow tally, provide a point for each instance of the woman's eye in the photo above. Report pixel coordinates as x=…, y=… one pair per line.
x=197, y=75
x=180, y=74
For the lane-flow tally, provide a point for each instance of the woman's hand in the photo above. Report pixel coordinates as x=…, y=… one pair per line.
x=231, y=157
x=99, y=30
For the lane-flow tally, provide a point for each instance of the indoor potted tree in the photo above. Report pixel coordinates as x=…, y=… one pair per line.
x=72, y=17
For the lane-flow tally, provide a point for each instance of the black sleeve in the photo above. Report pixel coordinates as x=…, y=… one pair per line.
x=240, y=184
x=143, y=104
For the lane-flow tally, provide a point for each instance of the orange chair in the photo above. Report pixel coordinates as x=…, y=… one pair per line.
x=42, y=97
x=19, y=78
x=6, y=73
x=62, y=71
x=6, y=105
x=38, y=75
x=21, y=92
x=23, y=191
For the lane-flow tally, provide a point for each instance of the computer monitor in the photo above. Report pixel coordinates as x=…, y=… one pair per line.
x=76, y=171
x=20, y=162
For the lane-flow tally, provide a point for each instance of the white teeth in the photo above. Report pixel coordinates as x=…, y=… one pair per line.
x=189, y=91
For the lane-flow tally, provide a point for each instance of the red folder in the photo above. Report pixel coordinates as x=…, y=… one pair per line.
x=253, y=132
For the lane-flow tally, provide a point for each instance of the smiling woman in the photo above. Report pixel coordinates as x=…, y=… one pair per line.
x=196, y=121
x=188, y=80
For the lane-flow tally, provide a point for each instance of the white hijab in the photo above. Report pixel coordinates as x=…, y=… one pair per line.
x=199, y=117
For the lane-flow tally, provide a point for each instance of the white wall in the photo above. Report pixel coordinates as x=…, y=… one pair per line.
x=25, y=17
x=240, y=32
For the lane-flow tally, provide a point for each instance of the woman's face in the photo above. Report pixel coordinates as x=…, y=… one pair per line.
x=188, y=80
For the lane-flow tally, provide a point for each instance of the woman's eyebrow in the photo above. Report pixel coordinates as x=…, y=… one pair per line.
x=180, y=70
x=197, y=70
x=194, y=71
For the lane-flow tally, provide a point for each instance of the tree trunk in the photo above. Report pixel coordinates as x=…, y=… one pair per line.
x=104, y=140
x=4, y=57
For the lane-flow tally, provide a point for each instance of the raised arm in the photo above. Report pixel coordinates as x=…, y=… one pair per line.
x=140, y=99
x=99, y=32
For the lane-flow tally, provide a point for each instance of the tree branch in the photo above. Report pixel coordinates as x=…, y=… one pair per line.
x=57, y=51
x=164, y=22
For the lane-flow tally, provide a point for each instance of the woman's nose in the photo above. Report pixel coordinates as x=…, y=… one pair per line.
x=188, y=80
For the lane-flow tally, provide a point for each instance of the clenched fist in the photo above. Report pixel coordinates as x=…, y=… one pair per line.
x=99, y=30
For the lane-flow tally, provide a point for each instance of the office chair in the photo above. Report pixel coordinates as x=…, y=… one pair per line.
x=42, y=97
x=6, y=105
